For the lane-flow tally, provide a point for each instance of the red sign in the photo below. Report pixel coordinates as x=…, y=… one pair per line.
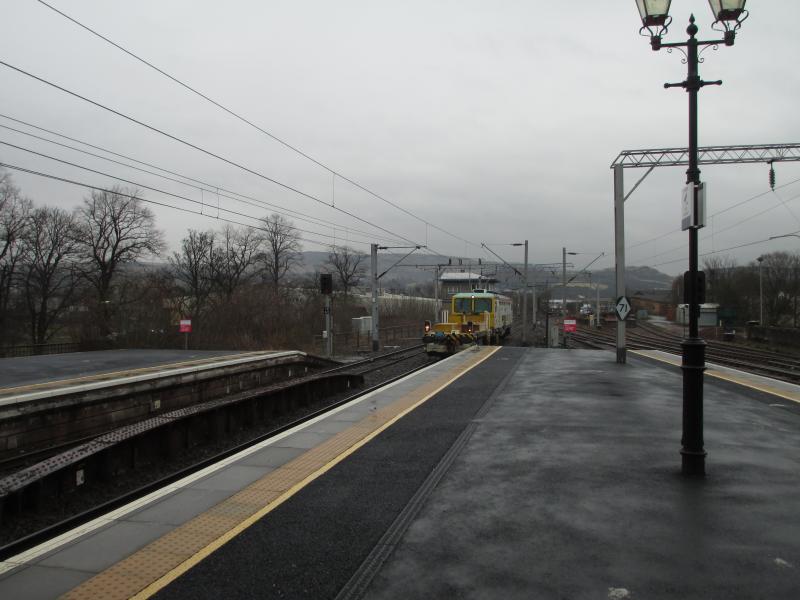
x=185, y=326
x=570, y=325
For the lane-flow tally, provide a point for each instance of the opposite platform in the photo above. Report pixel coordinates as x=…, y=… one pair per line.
x=33, y=370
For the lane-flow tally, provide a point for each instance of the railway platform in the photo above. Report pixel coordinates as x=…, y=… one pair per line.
x=61, y=371
x=57, y=400
x=497, y=473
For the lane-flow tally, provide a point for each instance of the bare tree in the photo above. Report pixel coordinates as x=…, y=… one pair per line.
x=281, y=248
x=50, y=255
x=14, y=213
x=780, y=287
x=233, y=258
x=149, y=320
x=193, y=270
x=721, y=284
x=116, y=229
x=345, y=262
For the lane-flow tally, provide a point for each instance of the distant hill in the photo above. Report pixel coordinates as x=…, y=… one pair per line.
x=415, y=275
x=412, y=271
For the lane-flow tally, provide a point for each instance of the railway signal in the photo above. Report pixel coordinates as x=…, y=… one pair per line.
x=326, y=289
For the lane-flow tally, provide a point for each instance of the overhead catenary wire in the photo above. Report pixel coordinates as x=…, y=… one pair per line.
x=153, y=166
x=729, y=227
x=202, y=150
x=486, y=247
x=198, y=185
x=785, y=204
x=147, y=200
x=147, y=187
x=250, y=123
x=716, y=214
x=583, y=270
x=745, y=245
x=719, y=212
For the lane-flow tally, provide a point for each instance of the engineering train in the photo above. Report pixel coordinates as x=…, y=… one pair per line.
x=476, y=317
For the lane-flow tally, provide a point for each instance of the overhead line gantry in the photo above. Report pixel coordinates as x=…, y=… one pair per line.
x=679, y=157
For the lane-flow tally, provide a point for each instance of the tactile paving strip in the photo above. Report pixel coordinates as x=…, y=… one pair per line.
x=146, y=571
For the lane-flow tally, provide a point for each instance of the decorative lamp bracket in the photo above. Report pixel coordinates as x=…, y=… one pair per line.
x=729, y=26
x=655, y=32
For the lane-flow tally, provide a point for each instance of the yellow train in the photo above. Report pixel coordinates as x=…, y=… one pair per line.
x=475, y=317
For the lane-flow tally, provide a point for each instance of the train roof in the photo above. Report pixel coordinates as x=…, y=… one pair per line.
x=475, y=294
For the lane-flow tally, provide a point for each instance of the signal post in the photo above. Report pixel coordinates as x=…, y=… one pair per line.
x=326, y=289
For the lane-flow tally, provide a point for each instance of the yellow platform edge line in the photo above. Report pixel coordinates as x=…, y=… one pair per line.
x=711, y=372
x=176, y=572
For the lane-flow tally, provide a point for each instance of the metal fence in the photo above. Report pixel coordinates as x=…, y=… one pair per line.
x=57, y=348
x=355, y=341
x=343, y=342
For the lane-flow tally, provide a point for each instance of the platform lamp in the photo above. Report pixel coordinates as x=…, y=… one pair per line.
x=728, y=18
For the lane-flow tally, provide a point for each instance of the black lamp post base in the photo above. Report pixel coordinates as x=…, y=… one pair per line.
x=693, y=464
x=692, y=451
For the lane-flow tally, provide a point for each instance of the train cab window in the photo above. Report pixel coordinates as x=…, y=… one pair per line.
x=462, y=305
x=483, y=305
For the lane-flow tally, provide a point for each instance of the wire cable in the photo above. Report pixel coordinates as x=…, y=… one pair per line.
x=187, y=177
x=716, y=214
x=147, y=200
x=601, y=255
x=729, y=227
x=203, y=150
x=785, y=204
x=160, y=191
x=202, y=187
x=250, y=123
x=745, y=245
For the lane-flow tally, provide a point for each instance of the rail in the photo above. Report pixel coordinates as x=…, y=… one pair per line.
x=752, y=360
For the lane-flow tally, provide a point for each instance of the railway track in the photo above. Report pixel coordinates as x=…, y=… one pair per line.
x=379, y=361
x=646, y=337
x=54, y=518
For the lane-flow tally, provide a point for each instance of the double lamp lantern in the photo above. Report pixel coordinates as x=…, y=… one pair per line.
x=728, y=15
x=728, y=18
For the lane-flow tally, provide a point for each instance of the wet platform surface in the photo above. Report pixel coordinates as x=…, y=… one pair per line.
x=532, y=474
x=570, y=488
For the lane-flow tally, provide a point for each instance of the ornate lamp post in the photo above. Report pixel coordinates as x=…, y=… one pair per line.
x=728, y=15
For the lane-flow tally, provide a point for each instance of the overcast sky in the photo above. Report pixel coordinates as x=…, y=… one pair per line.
x=496, y=121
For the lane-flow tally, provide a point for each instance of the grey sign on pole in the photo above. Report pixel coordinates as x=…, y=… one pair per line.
x=693, y=206
x=622, y=308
